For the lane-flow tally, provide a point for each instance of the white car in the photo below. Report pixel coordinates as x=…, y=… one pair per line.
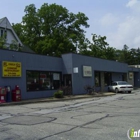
x=120, y=86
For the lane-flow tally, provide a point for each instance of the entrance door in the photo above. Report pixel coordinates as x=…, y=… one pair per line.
x=67, y=83
x=67, y=80
x=124, y=77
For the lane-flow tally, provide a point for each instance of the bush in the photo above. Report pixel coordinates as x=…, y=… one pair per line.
x=89, y=89
x=58, y=94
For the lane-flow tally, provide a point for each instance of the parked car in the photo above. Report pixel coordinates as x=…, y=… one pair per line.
x=120, y=86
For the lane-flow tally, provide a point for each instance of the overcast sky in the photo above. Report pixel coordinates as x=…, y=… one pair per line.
x=118, y=20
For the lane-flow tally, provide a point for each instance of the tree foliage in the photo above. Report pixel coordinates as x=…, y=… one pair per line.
x=129, y=56
x=13, y=46
x=99, y=48
x=51, y=29
x=2, y=43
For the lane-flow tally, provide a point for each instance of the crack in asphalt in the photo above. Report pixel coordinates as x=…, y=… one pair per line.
x=86, y=113
x=89, y=113
x=78, y=126
x=76, y=106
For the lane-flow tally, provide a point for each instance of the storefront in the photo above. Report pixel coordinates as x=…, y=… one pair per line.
x=40, y=76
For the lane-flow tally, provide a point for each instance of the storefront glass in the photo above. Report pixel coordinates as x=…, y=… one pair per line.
x=43, y=80
x=97, y=79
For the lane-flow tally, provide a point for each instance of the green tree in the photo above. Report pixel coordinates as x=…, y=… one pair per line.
x=15, y=46
x=2, y=43
x=125, y=55
x=99, y=45
x=18, y=28
x=138, y=56
x=129, y=56
x=99, y=48
x=134, y=56
x=52, y=29
x=110, y=53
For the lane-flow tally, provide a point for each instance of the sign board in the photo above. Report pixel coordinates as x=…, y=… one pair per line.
x=56, y=76
x=87, y=71
x=130, y=75
x=75, y=70
x=11, y=69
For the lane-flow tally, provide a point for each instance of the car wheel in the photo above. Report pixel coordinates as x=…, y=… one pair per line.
x=116, y=90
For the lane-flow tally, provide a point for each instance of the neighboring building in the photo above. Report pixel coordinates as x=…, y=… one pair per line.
x=7, y=31
x=40, y=76
x=135, y=66
x=11, y=37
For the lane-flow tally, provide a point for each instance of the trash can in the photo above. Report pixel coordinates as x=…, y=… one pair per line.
x=8, y=95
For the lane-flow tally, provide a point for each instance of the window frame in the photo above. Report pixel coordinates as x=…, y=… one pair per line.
x=39, y=79
x=3, y=33
x=107, y=78
x=99, y=78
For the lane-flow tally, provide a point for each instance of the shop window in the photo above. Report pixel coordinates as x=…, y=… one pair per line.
x=56, y=80
x=45, y=80
x=38, y=80
x=97, y=79
x=3, y=33
x=107, y=78
x=32, y=80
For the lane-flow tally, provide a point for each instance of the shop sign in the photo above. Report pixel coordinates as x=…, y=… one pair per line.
x=11, y=69
x=56, y=76
x=130, y=75
x=75, y=70
x=87, y=71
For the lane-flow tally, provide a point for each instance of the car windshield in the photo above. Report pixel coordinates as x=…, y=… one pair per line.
x=122, y=83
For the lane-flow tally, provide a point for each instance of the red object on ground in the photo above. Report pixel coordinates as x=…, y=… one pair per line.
x=16, y=94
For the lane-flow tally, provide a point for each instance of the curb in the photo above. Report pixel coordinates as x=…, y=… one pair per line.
x=48, y=100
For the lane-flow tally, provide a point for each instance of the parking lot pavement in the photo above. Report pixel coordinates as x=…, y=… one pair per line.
x=100, y=118
x=52, y=99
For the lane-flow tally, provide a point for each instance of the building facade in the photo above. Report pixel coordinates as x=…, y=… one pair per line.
x=8, y=33
x=39, y=76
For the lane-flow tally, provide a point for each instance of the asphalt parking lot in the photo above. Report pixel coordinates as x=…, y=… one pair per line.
x=100, y=118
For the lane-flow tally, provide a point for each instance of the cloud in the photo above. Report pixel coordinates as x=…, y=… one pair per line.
x=134, y=5
x=128, y=32
x=108, y=19
x=137, y=40
x=126, y=29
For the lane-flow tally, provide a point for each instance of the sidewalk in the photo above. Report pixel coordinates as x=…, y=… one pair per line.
x=52, y=99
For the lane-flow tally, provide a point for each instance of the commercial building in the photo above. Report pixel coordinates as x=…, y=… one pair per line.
x=40, y=76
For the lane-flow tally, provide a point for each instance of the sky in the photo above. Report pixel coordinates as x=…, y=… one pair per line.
x=118, y=20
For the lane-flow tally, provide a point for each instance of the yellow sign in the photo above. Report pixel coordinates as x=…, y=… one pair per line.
x=11, y=69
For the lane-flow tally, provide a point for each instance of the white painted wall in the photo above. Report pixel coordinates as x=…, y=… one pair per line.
x=10, y=37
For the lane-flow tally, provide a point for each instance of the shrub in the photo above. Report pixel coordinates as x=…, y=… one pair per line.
x=58, y=94
x=89, y=89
